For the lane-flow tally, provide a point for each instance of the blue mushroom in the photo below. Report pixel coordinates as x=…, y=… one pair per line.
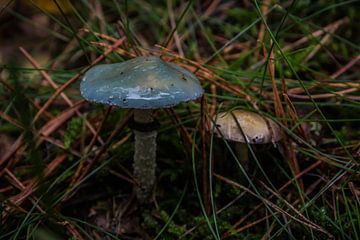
x=144, y=83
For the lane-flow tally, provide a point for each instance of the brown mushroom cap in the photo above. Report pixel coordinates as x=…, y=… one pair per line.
x=256, y=128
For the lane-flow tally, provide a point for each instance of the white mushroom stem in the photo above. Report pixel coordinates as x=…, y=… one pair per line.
x=144, y=156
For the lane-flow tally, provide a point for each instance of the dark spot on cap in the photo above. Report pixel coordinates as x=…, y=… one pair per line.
x=170, y=84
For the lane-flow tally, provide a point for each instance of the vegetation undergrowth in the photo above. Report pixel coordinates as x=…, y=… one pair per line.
x=66, y=164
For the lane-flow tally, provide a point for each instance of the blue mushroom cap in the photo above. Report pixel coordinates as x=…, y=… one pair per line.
x=144, y=82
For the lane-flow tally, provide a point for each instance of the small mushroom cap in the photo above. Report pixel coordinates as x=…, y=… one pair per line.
x=256, y=128
x=144, y=82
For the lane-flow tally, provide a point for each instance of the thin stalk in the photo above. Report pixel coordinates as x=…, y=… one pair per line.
x=144, y=156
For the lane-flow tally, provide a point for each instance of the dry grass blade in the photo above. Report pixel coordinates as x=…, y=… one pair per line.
x=55, y=86
x=342, y=93
x=85, y=170
x=346, y=67
x=64, y=56
x=275, y=207
x=17, y=184
x=10, y=120
x=14, y=147
x=332, y=28
x=315, y=34
x=280, y=113
x=33, y=183
x=257, y=207
x=120, y=51
x=243, y=228
x=44, y=132
x=264, y=9
x=121, y=176
x=101, y=35
x=302, y=219
x=173, y=25
x=214, y=5
x=58, y=121
x=90, y=147
x=46, y=115
x=75, y=78
x=72, y=230
x=306, y=39
x=213, y=100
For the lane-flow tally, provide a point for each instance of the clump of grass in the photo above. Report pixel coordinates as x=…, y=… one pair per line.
x=295, y=62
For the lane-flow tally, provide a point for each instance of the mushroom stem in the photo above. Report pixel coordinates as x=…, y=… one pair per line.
x=144, y=156
x=143, y=116
x=242, y=153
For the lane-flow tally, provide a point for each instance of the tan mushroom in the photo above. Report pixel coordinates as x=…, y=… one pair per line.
x=255, y=129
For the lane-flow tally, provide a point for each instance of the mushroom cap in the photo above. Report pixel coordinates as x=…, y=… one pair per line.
x=144, y=82
x=256, y=128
